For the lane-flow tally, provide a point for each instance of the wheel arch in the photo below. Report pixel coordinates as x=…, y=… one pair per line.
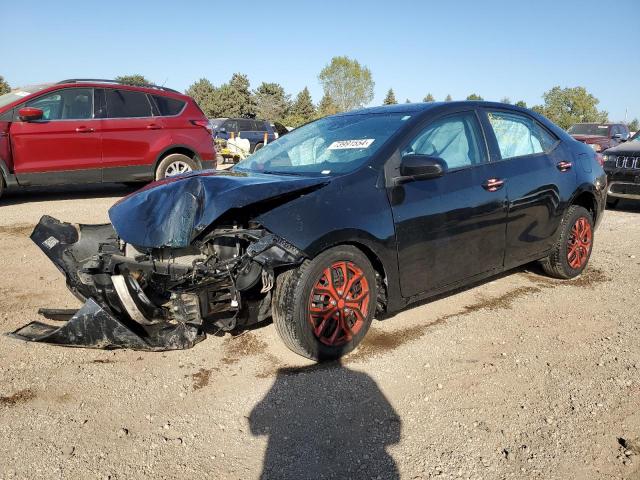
x=178, y=148
x=587, y=199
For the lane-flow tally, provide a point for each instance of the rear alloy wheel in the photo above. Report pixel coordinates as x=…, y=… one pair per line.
x=175, y=164
x=573, y=249
x=324, y=308
x=258, y=147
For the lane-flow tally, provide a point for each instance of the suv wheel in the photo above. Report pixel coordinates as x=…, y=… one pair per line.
x=175, y=164
x=572, y=251
x=258, y=147
x=323, y=309
x=1, y=185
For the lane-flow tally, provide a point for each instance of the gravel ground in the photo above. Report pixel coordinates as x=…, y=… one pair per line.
x=518, y=377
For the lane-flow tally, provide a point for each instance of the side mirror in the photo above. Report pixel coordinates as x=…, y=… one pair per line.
x=222, y=130
x=29, y=114
x=420, y=167
x=617, y=136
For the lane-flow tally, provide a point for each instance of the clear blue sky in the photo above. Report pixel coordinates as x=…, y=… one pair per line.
x=494, y=48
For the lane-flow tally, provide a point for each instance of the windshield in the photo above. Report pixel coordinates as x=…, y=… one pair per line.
x=589, y=129
x=19, y=93
x=327, y=146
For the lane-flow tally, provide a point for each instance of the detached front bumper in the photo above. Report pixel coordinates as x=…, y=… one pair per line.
x=103, y=321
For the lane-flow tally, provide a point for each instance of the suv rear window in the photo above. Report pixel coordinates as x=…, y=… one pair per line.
x=126, y=103
x=168, y=106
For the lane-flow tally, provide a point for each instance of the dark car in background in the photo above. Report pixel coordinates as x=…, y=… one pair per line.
x=250, y=129
x=349, y=217
x=92, y=131
x=600, y=136
x=622, y=164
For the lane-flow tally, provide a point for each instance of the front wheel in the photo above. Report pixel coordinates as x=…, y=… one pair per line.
x=323, y=309
x=572, y=251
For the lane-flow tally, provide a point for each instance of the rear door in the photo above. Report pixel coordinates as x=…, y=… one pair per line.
x=62, y=147
x=132, y=136
x=451, y=228
x=539, y=176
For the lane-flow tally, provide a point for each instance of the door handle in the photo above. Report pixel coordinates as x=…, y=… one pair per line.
x=153, y=126
x=564, y=166
x=493, y=184
x=84, y=129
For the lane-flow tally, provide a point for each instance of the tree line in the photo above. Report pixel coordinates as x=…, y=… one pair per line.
x=348, y=85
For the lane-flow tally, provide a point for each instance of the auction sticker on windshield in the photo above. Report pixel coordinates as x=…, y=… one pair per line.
x=347, y=144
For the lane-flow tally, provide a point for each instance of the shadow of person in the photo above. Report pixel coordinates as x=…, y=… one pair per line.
x=326, y=421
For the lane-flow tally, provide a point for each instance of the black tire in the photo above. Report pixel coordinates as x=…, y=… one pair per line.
x=1, y=186
x=558, y=264
x=258, y=147
x=294, y=296
x=166, y=164
x=612, y=202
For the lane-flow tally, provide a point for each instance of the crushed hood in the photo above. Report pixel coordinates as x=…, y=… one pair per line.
x=173, y=212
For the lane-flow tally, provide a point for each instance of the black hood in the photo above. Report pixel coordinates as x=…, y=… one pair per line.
x=626, y=148
x=173, y=212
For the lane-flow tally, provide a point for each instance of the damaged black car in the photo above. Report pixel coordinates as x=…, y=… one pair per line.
x=348, y=218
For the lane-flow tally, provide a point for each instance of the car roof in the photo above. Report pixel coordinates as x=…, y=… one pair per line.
x=426, y=106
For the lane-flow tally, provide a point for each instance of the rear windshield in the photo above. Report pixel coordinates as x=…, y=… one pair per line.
x=589, y=129
x=20, y=93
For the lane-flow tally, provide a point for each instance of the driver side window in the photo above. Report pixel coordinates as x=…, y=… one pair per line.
x=456, y=139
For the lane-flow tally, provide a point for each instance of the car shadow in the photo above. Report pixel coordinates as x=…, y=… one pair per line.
x=626, y=206
x=16, y=196
x=326, y=421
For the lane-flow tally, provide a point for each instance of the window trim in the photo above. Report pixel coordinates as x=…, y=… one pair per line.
x=486, y=111
x=483, y=143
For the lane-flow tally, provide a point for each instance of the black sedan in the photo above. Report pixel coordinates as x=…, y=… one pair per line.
x=349, y=217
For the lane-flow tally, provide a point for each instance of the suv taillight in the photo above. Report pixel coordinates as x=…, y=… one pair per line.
x=204, y=124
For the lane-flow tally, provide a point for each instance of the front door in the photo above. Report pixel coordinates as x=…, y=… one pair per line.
x=450, y=228
x=62, y=147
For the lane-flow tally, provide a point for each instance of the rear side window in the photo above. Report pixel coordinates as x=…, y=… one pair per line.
x=456, y=139
x=168, y=106
x=65, y=104
x=245, y=125
x=127, y=104
x=519, y=135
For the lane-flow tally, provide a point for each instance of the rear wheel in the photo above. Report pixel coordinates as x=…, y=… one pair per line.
x=323, y=309
x=572, y=251
x=258, y=147
x=175, y=164
x=1, y=185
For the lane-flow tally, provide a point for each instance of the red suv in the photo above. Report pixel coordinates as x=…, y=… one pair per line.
x=88, y=131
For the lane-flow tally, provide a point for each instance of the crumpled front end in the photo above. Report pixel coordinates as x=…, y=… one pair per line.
x=158, y=298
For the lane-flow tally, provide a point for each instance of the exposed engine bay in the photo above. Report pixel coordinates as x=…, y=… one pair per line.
x=159, y=298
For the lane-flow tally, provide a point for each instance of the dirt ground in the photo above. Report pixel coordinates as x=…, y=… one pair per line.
x=518, y=377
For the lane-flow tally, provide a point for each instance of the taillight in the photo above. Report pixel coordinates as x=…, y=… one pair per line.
x=600, y=159
x=204, y=124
